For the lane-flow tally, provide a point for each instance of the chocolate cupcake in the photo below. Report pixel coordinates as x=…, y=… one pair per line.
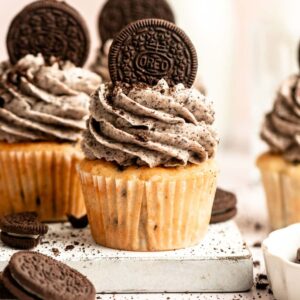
x=149, y=177
x=44, y=101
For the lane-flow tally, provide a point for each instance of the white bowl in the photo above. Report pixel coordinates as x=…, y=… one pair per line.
x=280, y=249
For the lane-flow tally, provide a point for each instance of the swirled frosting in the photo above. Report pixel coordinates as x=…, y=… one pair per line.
x=100, y=66
x=281, y=127
x=44, y=103
x=152, y=126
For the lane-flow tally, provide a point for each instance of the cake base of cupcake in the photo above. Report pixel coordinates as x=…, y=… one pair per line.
x=281, y=180
x=40, y=177
x=148, y=209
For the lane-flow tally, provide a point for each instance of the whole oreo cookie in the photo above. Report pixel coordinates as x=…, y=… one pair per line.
x=22, y=230
x=224, y=207
x=151, y=49
x=116, y=14
x=31, y=275
x=51, y=28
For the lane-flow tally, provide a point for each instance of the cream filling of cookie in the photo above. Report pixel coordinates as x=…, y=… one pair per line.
x=25, y=288
x=40, y=102
x=100, y=66
x=21, y=235
x=281, y=127
x=150, y=126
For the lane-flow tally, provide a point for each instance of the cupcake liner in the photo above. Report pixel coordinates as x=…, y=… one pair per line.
x=149, y=215
x=41, y=179
x=281, y=181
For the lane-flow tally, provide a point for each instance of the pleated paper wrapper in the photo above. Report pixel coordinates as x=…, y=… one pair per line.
x=281, y=181
x=149, y=215
x=41, y=178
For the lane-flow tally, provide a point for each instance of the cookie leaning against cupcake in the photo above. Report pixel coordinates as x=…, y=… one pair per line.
x=43, y=110
x=149, y=177
x=280, y=166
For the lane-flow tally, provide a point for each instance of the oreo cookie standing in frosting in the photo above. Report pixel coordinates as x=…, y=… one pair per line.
x=51, y=28
x=224, y=207
x=31, y=275
x=22, y=230
x=116, y=14
x=152, y=49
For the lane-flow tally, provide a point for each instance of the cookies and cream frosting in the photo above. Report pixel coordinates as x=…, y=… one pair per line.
x=152, y=126
x=40, y=102
x=281, y=127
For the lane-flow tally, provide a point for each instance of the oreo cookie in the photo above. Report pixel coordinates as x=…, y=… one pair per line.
x=116, y=14
x=4, y=292
x=151, y=49
x=22, y=230
x=31, y=275
x=224, y=207
x=51, y=28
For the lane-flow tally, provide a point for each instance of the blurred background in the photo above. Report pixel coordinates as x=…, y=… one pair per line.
x=245, y=48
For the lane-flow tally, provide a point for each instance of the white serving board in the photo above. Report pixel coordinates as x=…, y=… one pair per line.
x=221, y=263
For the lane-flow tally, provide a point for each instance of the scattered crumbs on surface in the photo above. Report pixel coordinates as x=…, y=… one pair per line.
x=55, y=251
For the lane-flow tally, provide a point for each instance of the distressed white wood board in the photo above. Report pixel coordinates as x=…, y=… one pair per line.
x=221, y=263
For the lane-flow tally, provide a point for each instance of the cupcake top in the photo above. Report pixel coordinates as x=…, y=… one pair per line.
x=281, y=127
x=44, y=102
x=150, y=115
x=154, y=126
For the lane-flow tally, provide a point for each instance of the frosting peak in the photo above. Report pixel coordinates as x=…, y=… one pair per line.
x=152, y=126
x=281, y=127
x=44, y=102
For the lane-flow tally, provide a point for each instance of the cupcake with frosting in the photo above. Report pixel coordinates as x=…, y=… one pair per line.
x=280, y=168
x=43, y=110
x=149, y=177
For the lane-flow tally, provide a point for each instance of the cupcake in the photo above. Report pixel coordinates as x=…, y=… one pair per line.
x=280, y=168
x=43, y=110
x=149, y=177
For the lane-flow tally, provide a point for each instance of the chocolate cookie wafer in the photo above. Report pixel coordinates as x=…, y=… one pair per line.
x=148, y=50
x=116, y=14
x=78, y=223
x=4, y=292
x=31, y=275
x=51, y=28
x=22, y=230
x=224, y=207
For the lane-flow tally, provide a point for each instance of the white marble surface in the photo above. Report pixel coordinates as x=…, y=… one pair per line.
x=237, y=174
x=213, y=265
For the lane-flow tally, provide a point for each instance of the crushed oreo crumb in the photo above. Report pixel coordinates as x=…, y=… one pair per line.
x=257, y=245
x=78, y=222
x=55, y=251
x=256, y=263
x=262, y=282
x=69, y=247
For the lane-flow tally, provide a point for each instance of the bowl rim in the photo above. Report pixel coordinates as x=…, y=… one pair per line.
x=267, y=241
